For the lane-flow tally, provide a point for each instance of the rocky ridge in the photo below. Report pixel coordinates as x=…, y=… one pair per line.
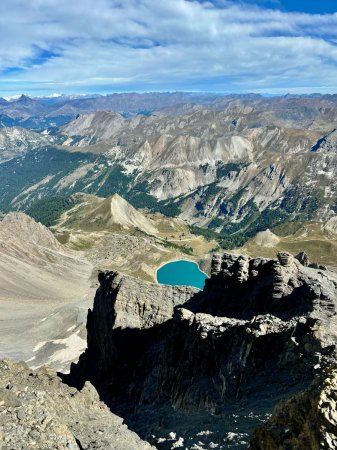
x=19, y=225
x=69, y=106
x=116, y=212
x=261, y=331
x=17, y=141
x=192, y=369
x=32, y=247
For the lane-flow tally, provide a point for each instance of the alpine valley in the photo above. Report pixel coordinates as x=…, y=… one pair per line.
x=236, y=166
x=96, y=193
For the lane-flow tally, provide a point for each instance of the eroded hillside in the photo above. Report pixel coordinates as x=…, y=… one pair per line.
x=237, y=165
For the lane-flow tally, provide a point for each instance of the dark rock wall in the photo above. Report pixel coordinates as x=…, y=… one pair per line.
x=262, y=330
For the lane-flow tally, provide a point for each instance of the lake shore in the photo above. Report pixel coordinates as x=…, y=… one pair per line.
x=179, y=283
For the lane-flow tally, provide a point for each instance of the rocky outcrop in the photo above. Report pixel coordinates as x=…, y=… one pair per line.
x=262, y=330
x=135, y=304
x=327, y=143
x=330, y=227
x=306, y=421
x=38, y=412
x=302, y=257
x=125, y=316
x=242, y=287
x=15, y=142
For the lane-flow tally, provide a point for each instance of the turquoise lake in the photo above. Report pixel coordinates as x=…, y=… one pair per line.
x=181, y=273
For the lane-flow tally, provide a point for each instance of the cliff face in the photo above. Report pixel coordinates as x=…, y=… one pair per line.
x=261, y=331
x=126, y=315
x=244, y=288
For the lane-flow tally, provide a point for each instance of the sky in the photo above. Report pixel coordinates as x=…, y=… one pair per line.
x=104, y=46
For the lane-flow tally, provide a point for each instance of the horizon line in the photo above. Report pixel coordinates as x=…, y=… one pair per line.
x=55, y=95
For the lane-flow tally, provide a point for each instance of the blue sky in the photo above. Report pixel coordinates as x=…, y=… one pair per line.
x=307, y=6
x=267, y=46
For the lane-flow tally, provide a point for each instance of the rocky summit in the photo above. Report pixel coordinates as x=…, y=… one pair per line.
x=206, y=369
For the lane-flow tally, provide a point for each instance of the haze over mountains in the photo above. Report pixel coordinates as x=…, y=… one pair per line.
x=38, y=112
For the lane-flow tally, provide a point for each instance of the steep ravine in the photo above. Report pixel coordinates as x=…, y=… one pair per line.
x=194, y=370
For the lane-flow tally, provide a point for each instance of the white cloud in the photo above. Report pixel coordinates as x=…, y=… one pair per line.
x=151, y=44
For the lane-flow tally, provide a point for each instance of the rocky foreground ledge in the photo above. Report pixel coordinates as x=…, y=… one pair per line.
x=250, y=362
x=38, y=411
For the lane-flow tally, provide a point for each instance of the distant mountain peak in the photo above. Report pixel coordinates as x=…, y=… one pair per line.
x=124, y=214
x=109, y=213
x=24, y=99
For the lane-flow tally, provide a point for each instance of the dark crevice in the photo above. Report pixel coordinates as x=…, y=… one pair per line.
x=79, y=444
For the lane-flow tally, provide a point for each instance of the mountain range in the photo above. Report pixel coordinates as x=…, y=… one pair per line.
x=40, y=112
x=110, y=188
x=236, y=166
